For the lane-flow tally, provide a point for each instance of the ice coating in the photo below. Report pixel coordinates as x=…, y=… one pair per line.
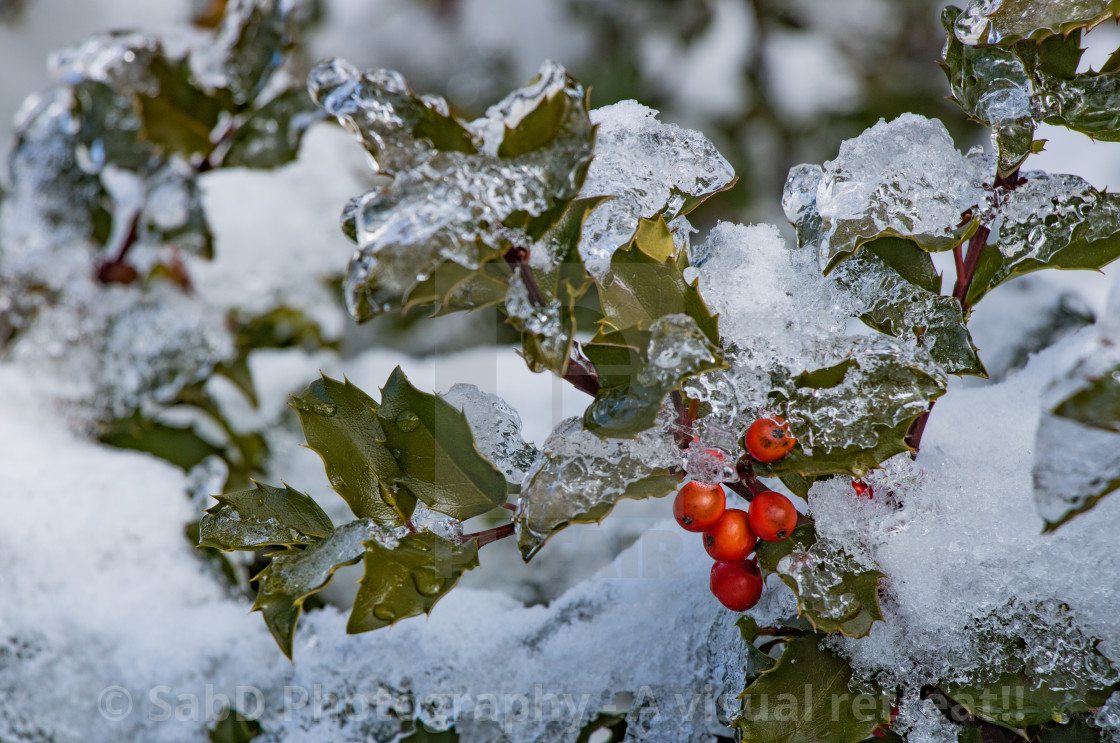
x=227, y=526
x=650, y=168
x=293, y=575
x=437, y=523
x=818, y=574
x=451, y=188
x=709, y=465
x=904, y=176
x=989, y=22
x=677, y=348
x=497, y=429
x=578, y=474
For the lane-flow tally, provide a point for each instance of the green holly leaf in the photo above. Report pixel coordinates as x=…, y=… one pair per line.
x=895, y=306
x=407, y=580
x=295, y=574
x=757, y=661
x=646, y=282
x=854, y=414
x=433, y=445
x=1096, y=403
x=179, y=116
x=1016, y=20
x=806, y=698
x=908, y=260
x=263, y=516
x=1075, y=731
x=252, y=40
x=1016, y=701
x=1049, y=221
x=456, y=288
x=270, y=136
x=183, y=446
x=580, y=477
x=541, y=125
x=341, y=425
x=676, y=348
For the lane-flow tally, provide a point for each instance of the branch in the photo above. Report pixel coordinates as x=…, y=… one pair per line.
x=968, y=270
x=490, y=535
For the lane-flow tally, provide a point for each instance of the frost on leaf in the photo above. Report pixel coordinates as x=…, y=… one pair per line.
x=903, y=178
x=262, y=516
x=1077, y=445
x=496, y=427
x=651, y=169
x=1007, y=21
x=579, y=476
x=460, y=193
x=852, y=411
x=406, y=579
x=1047, y=221
x=1038, y=650
x=639, y=367
x=295, y=574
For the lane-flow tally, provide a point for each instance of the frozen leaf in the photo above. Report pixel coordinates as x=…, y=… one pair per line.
x=173, y=213
x=270, y=136
x=183, y=446
x=902, y=178
x=992, y=86
x=341, y=425
x=889, y=303
x=757, y=661
x=249, y=46
x=496, y=428
x=453, y=196
x=296, y=573
x=806, y=698
x=1004, y=22
x=579, y=477
x=1048, y=221
x=262, y=516
x=456, y=288
x=671, y=350
x=176, y=114
x=646, y=281
x=853, y=412
x=407, y=579
x=1055, y=670
x=433, y=445
x=652, y=169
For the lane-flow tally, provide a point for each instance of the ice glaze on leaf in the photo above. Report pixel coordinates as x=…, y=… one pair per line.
x=1016, y=701
x=1004, y=23
x=671, y=350
x=578, y=478
x=262, y=516
x=340, y=424
x=270, y=136
x=408, y=579
x=757, y=661
x=645, y=282
x=1049, y=221
x=835, y=593
x=908, y=260
x=178, y=115
x=433, y=445
x=805, y=698
x=295, y=574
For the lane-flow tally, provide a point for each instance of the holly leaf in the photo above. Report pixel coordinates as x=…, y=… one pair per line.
x=407, y=580
x=435, y=450
x=1061, y=490
x=854, y=414
x=270, y=136
x=676, y=349
x=1016, y=701
x=834, y=592
x=908, y=260
x=757, y=661
x=646, y=281
x=1096, y=403
x=456, y=288
x=1075, y=731
x=183, y=446
x=179, y=116
x=1049, y=221
x=1016, y=20
x=806, y=698
x=580, y=477
x=540, y=126
x=295, y=574
x=341, y=425
x=263, y=516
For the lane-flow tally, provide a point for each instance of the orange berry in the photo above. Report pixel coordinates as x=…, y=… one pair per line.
x=731, y=539
x=772, y=516
x=737, y=585
x=768, y=439
x=698, y=506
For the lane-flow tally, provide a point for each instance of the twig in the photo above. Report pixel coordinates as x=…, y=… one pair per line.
x=968, y=269
x=490, y=535
x=917, y=428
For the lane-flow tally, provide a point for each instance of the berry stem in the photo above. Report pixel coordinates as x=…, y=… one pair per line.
x=968, y=269
x=490, y=535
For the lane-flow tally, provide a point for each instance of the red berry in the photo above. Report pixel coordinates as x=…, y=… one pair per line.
x=863, y=490
x=698, y=506
x=737, y=585
x=768, y=439
x=731, y=539
x=772, y=517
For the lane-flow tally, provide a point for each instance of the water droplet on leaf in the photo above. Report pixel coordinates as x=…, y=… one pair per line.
x=428, y=581
x=384, y=613
x=407, y=421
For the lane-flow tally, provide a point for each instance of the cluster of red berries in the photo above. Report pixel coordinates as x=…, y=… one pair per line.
x=730, y=534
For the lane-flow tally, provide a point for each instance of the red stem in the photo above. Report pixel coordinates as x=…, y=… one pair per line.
x=490, y=535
